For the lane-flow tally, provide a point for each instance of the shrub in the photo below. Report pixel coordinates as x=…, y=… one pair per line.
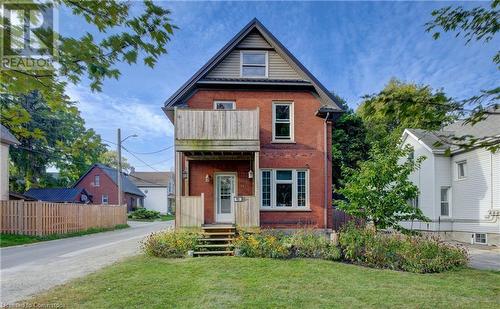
x=143, y=213
x=262, y=245
x=272, y=244
x=171, y=244
x=307, y=244
x=400, y=252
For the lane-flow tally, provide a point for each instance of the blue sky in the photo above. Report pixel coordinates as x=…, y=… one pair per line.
x=353, y=48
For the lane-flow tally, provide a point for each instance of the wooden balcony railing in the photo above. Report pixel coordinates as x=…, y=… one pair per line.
x=216, y=130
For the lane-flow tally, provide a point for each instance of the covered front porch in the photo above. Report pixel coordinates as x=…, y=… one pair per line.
x=217, y=167
x=218, y=188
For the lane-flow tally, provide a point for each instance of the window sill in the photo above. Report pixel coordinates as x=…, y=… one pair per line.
x=277, y=141
x=286, y=210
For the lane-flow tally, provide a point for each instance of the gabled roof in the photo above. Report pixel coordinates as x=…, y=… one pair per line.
x=57, y=195
x=6, y=137
x=127, y=185
x=435, y=141
x=327, y=99
x=151, y=179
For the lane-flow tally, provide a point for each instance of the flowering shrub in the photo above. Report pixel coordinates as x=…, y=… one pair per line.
x=262, y=245
x=171, y=244
x=417, y=254
x=307, y=244
x=270, y=244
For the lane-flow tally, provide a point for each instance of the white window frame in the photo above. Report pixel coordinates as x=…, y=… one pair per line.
x=294, y=183
x=485, y=239
x=448, y=196
x=224, y=101
x=291, y=121
x=107, y=199
x=97, y=180
x=254, y=52
x=464, y=163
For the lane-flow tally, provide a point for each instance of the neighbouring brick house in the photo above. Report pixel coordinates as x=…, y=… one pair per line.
x=100, y=181
x=252, y=138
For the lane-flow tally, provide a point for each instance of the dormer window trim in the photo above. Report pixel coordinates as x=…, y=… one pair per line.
x=266, y=53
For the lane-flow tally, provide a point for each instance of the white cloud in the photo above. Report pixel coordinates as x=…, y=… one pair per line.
x=105, y=114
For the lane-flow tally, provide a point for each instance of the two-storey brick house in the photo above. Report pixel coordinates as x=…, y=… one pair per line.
x=252, y=138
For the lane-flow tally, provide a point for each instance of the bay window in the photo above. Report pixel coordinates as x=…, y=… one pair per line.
x=284, y=189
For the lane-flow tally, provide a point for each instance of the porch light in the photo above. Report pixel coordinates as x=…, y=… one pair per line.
x=184, y=174
x=250, y=174
x=207, y=178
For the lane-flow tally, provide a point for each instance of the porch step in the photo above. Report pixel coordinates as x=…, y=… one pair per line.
x=218, y=226
x=215, y=246
x=215, y=239
x=228, y=252
x=218, y=233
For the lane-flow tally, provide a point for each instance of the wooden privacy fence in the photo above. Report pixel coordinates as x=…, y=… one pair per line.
x=41, y=218
x=247, y=213
x=190, y=212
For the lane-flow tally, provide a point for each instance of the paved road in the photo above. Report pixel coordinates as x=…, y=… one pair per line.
x=30, y=269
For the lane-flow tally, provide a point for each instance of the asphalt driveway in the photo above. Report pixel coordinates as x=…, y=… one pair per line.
x=30, y=269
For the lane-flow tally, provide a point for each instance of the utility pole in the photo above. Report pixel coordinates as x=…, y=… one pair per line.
x=119, y=176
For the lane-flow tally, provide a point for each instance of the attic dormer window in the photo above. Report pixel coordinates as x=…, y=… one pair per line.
x=253, y=63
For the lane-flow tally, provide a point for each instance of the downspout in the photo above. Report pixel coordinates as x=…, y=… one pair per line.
x=325, y=211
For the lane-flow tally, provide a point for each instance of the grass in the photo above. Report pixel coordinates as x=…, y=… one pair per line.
x=215, y=282
x=7, y=240
x=162, y=218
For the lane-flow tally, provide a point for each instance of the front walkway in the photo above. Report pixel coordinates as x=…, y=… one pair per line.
x=30, y=269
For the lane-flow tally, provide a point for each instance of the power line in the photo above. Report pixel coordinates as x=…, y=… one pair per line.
x=142, y=153
x=153, y=152
x=147, y=164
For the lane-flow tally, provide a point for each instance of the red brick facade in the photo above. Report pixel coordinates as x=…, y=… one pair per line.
x=106, y=186
x=307, y=152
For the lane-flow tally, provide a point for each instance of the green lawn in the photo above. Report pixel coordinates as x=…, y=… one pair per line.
x=143, y=282
x=7, y=240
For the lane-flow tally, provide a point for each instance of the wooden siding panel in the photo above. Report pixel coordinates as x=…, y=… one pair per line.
x=191, y=210
x=279, y=68
x=254, y=40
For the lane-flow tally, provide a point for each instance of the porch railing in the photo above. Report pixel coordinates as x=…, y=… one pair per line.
x=216, y=130
x=190, y=211
x=247, y=212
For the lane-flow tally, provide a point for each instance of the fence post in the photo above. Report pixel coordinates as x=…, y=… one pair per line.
x=38, y=210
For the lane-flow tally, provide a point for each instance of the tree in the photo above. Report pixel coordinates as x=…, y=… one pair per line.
x=405, y=105
x=349, y=144
x=110, y=158
x=479, y=24
x=123, y=37
x=48, y=138
x=379, y=191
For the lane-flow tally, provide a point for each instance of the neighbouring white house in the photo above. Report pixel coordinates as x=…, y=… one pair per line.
x=459, y=190
x=158, y=188
x=6, y=140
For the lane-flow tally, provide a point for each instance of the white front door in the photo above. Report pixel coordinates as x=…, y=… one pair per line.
x=225, y=192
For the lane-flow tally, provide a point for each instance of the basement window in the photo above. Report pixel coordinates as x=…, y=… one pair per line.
x=480, y=238
x=253, y=63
